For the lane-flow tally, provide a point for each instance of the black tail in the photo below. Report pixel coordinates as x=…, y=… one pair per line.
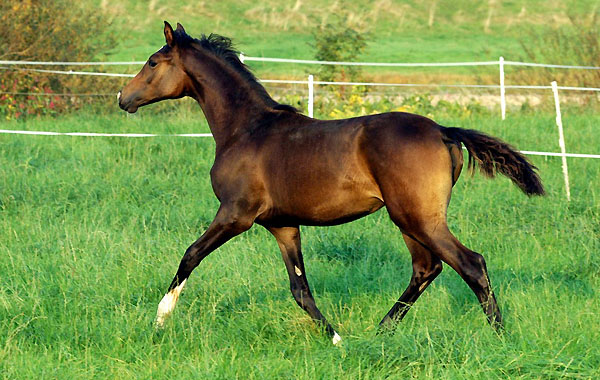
x=495, y=156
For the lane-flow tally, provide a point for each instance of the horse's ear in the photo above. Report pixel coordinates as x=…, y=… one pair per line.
x=169, y=35
x=180, y=28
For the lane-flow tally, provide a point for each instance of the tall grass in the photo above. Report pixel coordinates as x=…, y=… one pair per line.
x=574, y=44
x=92, y=230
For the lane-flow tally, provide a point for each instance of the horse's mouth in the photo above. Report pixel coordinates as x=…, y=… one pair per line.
x=126, y=106
x=132, y=109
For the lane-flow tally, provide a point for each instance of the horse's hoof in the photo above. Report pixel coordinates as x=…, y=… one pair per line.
x=336, y=339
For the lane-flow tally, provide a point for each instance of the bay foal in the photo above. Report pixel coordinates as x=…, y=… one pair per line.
x=280, y=169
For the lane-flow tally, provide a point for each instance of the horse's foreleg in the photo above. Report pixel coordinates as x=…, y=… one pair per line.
x=426, y=267
x=225, y=226
x=288, y=239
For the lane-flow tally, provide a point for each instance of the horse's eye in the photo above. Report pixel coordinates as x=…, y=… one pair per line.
x=152, y=63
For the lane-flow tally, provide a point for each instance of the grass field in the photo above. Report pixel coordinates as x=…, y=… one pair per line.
x=92, y=230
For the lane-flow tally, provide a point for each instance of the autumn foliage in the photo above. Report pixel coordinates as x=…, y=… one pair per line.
x=48, y=30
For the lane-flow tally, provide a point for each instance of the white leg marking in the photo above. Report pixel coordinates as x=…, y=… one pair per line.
x=167, y=304
x=336, y=338
x=298, y=271
x=423, y=285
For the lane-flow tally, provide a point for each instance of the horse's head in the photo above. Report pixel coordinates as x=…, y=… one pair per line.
x=162, y=77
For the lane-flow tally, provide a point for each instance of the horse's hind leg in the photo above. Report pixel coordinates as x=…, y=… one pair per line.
x=288, y=239
x=415, y=173
x=471, y=267
x=426, y=267
x=468, y=264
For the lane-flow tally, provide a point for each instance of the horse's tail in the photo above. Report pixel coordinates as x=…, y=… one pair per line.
x=495, y=156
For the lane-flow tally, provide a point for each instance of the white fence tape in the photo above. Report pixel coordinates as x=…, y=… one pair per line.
x=556, y=154
x=134, y=135
x=70, y=72
x=374, y=64
x=51, y=94
x=416, y=64
x=94, y=134
x=285, y=81
x=44, y=63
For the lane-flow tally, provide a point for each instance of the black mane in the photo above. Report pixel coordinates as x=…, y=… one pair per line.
x=222, y=47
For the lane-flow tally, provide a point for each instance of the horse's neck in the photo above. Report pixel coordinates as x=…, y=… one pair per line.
x=229, y=102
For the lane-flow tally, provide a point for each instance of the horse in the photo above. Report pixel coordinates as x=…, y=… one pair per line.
x=280, y=169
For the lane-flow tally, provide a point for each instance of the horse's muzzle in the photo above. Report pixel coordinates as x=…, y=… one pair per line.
x=126, y=106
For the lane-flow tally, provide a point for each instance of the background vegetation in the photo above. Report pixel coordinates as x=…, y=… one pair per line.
x=562, y=32
x=49, y=30
x=92, y=229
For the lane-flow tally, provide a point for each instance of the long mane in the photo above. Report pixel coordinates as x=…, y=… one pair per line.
x=223, y=48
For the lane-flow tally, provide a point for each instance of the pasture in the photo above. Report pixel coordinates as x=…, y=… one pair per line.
x=92, y=230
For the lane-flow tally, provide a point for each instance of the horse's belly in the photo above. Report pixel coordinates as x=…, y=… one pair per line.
x=322, y=208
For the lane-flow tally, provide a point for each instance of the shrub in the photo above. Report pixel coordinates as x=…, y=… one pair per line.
x=339, y=42
x=48, y=30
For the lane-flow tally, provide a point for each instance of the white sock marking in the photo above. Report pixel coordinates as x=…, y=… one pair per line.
x=167, y=304
x=298, y=271
x=336, y=338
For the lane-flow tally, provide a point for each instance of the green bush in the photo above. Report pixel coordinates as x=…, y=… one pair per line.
x=49, y=30
x=339, y=42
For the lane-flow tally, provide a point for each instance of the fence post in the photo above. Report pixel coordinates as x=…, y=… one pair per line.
x=242, y=57
x=561, y=139
x=311, y=95
x=502, y=89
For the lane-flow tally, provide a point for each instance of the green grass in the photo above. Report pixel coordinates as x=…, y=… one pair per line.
x=396, y=31
x=92, y=230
